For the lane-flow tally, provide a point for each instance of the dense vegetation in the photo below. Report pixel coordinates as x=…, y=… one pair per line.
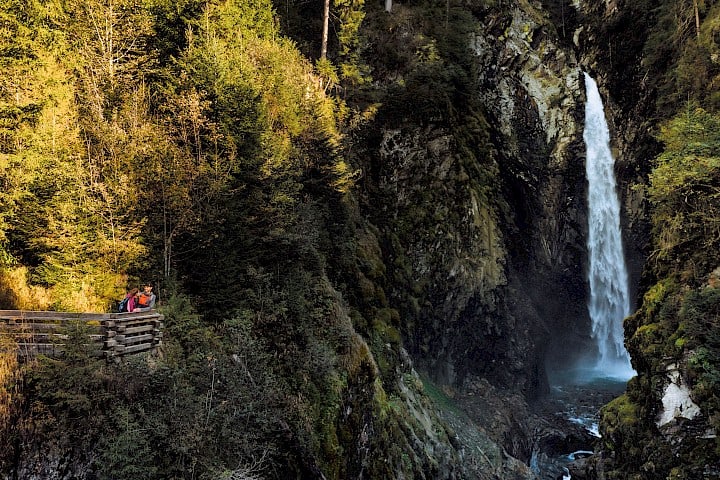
x=120, y=143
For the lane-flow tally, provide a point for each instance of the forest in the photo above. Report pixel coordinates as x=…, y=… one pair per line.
x=219, y=149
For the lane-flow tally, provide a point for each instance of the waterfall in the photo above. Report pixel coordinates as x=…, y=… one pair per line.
x=609, y=297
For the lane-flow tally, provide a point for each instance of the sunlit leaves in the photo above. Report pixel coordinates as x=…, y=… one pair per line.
x=234, y=52
x=110, y=37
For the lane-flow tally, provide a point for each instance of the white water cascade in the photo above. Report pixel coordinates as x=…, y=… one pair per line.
x=609, y=296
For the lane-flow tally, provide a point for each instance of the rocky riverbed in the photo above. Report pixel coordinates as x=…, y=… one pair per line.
x=502, y=436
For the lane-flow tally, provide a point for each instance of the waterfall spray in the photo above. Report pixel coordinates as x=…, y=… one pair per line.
x=609, y=296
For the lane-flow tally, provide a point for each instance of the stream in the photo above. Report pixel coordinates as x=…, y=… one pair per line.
x=576, y=399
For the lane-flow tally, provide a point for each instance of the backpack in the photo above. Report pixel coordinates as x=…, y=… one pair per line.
x=122, y=307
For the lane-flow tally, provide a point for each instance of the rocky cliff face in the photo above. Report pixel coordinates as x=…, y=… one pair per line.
x=489, y=245
x=532, y=86
x=480, y=218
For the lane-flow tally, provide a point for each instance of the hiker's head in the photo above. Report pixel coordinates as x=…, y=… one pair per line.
x=148, y=287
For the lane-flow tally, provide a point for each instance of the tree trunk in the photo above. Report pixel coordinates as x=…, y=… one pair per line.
x=326, y=21
x=697, y=18
x=388, y=5
x=447, y=13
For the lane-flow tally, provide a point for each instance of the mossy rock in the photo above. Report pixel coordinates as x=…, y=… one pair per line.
x=618, y=417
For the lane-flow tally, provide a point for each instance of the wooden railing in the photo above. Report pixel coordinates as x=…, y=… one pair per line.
x=115, y=334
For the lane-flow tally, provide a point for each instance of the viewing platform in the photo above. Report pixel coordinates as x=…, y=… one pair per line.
x=115, y=334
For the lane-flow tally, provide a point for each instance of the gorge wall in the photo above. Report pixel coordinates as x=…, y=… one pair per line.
x=485, y=237
x=479, y=231
x=477, y=203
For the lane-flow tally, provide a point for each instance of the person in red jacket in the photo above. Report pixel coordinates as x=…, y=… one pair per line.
x=145, y=300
